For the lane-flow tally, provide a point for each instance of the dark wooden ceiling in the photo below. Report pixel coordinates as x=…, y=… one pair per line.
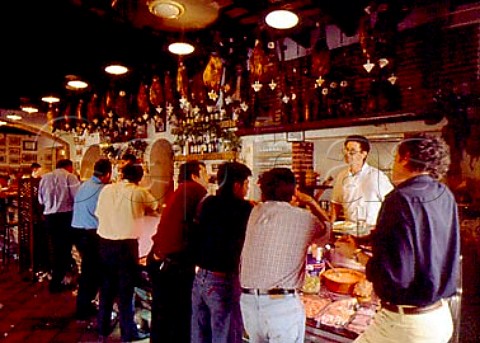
x=43, y=41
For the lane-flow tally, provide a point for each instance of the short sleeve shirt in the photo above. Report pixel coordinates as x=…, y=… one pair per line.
x=366, y=189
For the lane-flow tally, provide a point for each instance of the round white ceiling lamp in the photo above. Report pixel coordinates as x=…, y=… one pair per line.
x=77, y=84
x=13, y=116
x=29, y=109
x=281, y=19
x=181, y=48
x=51, y=99
x=166, y=9
x=116, y=69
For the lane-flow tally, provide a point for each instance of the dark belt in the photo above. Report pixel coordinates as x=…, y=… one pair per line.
x=273, y=291
x=214, y=273
x=411, y=310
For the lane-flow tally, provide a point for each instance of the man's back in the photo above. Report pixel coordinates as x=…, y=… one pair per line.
x=57, y=190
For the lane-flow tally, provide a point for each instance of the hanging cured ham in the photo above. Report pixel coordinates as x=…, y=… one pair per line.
x=365, y=36
x=212, y=75
x=156, y=94
x=51, y=116
x=182, y=80
x=257, y=62
x=79, y=116
x=237, y=93
x=169, y=96
x=320, y=58
x=142, y=99
x=198, y=88
x=122, y=102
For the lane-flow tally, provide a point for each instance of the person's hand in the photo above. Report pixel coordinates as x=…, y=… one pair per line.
x=346, y=246
x=302, y=198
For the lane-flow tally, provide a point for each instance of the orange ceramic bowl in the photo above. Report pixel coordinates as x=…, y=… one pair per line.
x=341, y=280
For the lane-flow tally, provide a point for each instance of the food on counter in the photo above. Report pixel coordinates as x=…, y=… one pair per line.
x=311, y=285
x=363, y=290
x=338, y=313
x=359, y=323
x=314, y=304
x=342, y=280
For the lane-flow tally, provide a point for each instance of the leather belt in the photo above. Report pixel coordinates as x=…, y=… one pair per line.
x=411, y=309
x=272, y=291
x=214, y=273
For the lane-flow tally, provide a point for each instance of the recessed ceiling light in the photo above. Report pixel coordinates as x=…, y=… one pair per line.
x=116, y=69
x=29, y=109
x=76, y=84
x=281, y=19
x=13, y=116
x=50, y=99
x=181, y=48
x=166, y=9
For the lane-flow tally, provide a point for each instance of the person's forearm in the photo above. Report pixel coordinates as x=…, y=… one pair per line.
x=316, y=210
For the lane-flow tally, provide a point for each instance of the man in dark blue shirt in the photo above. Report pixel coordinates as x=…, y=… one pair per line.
x=219, y=237
x=416, y=248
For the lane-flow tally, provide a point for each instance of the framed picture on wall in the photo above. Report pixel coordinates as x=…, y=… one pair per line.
x=298, y=136
x=28, y=158
x=14, y=140
x=29, y=145
x=14, y=152
x=14, y=159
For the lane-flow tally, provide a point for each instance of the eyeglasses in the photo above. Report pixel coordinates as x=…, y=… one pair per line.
x=351, y=152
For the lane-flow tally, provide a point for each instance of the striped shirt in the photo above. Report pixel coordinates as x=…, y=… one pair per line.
x=278, y=235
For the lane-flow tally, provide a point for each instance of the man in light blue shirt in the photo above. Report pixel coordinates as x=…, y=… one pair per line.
x=85, y=238
x=56, y=192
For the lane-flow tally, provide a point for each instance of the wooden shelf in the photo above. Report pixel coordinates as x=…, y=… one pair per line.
x=227, y=156
x=327, y=123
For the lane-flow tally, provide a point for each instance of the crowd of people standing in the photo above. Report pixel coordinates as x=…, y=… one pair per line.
x=222, y=266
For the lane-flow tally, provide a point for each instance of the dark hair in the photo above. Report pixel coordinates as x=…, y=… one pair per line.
x=426, y=153
x=102, y=167
x=132, y=172
x=35, y=165
x=363, y=141
x=64, y=163
x=188, y=169
x=131, y=158
x=230, y=173
x=277, y=184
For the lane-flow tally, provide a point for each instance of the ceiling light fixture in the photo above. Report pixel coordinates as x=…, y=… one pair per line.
x=50, y=99
x=13, y=116
x=166, y=9
x=116, y=69
x=29, y=109
x=2, y=123
x=281, y=19
x=76, y=84
x=181, y=48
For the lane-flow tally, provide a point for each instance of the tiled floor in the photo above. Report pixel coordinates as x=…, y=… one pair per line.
x=28, y=312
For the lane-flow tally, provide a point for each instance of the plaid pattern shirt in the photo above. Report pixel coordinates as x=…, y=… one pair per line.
x=275, y=248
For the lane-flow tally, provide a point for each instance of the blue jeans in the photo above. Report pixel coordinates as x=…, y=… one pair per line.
x=273, y=318
x=216, y=316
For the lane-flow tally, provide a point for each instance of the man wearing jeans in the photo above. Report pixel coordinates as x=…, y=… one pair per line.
x=273, y=259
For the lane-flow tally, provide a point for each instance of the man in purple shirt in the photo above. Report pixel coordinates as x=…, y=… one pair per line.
x=56, y=193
